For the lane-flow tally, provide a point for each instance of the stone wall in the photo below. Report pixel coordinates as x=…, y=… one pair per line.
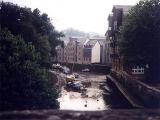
x=124, y=114
x=93, y=67
x=145, y=94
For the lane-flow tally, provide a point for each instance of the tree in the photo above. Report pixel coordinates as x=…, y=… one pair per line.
x=33, y=27
x=27, y=43
x=23, y=83
x=140, y=37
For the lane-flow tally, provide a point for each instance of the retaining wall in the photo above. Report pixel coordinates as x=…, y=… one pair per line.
x=123, y=114
x=99, y=68
x=145, y=94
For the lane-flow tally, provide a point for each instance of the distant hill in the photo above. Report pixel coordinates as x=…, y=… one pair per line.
x=77, y=33
x=73, y=32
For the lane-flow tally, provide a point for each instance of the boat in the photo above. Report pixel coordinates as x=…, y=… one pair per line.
x=70, y=78
x=74, y=86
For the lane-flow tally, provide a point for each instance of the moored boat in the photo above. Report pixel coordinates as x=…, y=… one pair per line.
x=70, y=78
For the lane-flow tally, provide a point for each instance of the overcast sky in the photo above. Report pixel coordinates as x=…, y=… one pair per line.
x=85, y=15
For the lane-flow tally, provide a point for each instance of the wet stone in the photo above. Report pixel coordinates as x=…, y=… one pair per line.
x=54, y=118
x=124, y=114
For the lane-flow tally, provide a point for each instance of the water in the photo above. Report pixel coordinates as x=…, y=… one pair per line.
x=93, y=99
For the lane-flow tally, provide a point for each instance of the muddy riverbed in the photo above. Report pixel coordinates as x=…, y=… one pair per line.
x=93, y=99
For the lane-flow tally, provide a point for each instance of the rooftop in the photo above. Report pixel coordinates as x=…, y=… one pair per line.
x=99, y=39
x=91, y=43
x=80, y=40
x=125, y=8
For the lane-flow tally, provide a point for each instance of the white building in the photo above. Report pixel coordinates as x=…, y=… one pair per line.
x=91, y=52
x=82, y=51
x=102, y=42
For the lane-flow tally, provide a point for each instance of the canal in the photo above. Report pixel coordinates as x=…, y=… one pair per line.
x=89, y=100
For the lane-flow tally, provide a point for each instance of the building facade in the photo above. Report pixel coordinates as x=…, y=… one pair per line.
x=115, y=21
x=82, y=51
x=72, y=51
x=60, y=54
x=102, y=43
x=91, y=52
x=108, y=49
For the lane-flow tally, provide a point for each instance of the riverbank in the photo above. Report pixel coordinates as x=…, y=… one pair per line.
x=137, y=92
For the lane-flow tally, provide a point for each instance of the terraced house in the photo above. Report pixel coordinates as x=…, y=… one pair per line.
x=82, y=51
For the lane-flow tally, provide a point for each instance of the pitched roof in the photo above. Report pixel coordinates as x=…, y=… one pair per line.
x=99, y=39
x=101, y=42
x=80, y=40
x=125, y=8
x=91, y=43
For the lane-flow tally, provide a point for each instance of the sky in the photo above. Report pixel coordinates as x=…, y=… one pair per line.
x=84, y=15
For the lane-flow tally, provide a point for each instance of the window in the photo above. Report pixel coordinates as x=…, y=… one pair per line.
x=109, y=28
x=115, y=25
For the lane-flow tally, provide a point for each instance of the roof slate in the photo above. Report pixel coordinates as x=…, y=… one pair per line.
x=125, y=8
x=91, y=43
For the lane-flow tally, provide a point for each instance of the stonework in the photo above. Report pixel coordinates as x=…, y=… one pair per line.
x=82, y=51
x=115, y=21
x=124, y=114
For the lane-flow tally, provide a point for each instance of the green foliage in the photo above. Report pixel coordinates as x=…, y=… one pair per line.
x=33, y=27
x=140, y=36
x=27, y=43
x=23, y=85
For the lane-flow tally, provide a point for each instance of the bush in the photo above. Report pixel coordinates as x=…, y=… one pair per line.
x=23, y=83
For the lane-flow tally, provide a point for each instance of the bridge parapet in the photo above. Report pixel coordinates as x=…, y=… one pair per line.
x=124, y=114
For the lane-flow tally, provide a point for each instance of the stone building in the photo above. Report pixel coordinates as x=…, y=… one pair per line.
x=72, y=51
x=82, y=51
x=60, y=54
x=108, y=50
x=115, y=21
x=80, y=47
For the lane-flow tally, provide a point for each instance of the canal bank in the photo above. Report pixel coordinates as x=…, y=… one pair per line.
x=139, y=94
x=96, y=68
x=99, y=94
x=113, y=96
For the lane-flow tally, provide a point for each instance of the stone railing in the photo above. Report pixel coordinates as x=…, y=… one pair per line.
x=124, y=114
